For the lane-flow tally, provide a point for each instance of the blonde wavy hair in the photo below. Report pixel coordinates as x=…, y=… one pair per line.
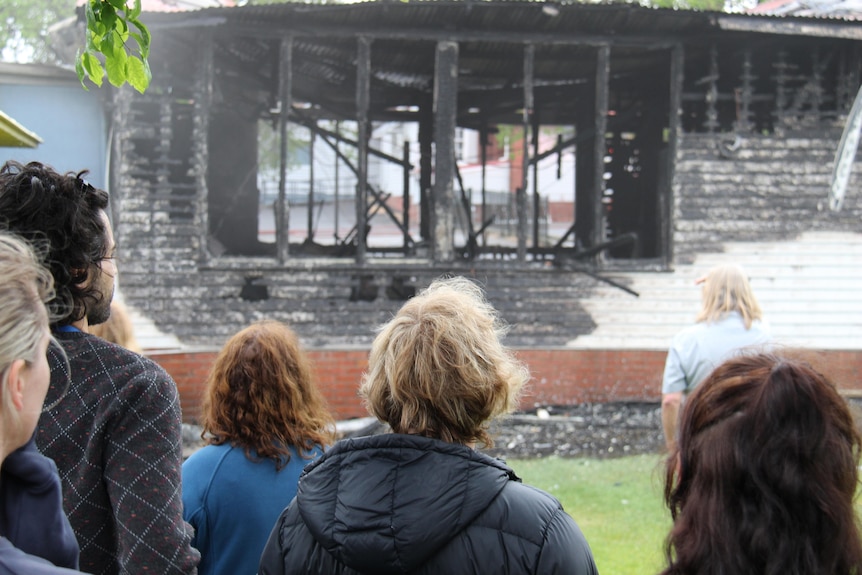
x=25, y=287
x=262, y=395
x=439, y=369
x=726, y=289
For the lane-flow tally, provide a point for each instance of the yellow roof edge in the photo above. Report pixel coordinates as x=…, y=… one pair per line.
x=14, y=135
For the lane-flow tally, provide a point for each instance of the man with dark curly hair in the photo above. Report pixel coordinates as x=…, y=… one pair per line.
x=116, y=435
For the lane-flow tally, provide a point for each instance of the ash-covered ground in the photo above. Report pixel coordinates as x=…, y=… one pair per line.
x=598, y=430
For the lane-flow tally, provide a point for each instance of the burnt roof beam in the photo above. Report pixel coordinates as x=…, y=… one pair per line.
x=279, y=29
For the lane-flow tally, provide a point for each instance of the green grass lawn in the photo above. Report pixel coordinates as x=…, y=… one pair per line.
x=616, y=502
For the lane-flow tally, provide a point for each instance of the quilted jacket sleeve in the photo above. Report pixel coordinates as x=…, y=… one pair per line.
x=565, y=549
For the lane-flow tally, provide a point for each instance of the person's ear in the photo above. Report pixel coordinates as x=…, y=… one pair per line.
x=15, y=381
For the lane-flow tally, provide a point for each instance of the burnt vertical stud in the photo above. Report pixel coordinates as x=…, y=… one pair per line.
x=445, y=112
x=405, y=207
x=529, y=57
x=285, y=86
x=603, y=69
x=483, y=142
x=310, y=214
x=665, y=195
x=363, y=94
x=203, y=108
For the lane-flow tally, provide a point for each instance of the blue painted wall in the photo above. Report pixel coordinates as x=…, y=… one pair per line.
x=70, y=122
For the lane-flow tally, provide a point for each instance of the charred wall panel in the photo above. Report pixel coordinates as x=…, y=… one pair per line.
x=773, y=188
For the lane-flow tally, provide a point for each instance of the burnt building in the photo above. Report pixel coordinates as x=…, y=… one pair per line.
x=694, y=133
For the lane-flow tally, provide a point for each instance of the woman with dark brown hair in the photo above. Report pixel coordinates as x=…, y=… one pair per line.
x=263, y=419
x=764, y=475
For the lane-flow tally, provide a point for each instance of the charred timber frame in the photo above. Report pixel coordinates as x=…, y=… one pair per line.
x=445, y=118
x=529, y=63
x=363, y=97
x=603, y=70
x=665, y=195
x=285, y=86
x=203, y=107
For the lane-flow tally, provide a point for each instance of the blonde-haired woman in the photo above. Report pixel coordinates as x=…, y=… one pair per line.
x=264, y=419
x=730, y=320
x=36, y=536
x=421, y=499
x=118, y=329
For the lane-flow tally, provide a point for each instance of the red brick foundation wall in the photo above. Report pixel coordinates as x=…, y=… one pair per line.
x=560, y=376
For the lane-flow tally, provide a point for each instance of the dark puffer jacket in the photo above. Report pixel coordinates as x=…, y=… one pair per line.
x=394, y=503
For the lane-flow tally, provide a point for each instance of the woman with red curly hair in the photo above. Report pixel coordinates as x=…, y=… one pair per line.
x=263, y=419
x=764, y=475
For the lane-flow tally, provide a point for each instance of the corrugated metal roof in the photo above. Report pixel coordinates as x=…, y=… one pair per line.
x=491, y=36
x=459, y=17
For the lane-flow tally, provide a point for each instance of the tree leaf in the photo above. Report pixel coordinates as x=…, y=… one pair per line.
x=108, y=18
x=122, y=28
x=136, y=11
x=115, y=63
x=92, y=38
x=93, y=68
x=106, y=46
x=138, y=74
x=90, y=11
x=79, y=69
x=118, y=4
x=144, y=42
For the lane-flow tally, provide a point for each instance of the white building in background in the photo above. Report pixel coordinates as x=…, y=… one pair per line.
x=334, y=182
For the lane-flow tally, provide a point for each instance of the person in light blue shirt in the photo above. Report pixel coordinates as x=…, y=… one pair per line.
x=730, y=321
x=263, y=419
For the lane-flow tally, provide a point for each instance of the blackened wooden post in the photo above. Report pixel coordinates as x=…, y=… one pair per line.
x=337, y=181
x=282, y=237
x=665, y=195
x=529, y=55
x=816, y=83
x=483, y=142
x=310, y=234
x=363, y=94
x=445, y=116
x=535, y=184
x=603, y=69
x=426, y=166
x=585, y=123
x=406, y=204
x=203, y=108
x=712, y=124
x=743, y=122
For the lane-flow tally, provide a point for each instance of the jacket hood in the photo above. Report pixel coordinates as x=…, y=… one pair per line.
x=29, y=469
x=386, y=503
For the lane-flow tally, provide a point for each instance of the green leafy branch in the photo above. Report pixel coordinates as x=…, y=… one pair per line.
x=111, y=25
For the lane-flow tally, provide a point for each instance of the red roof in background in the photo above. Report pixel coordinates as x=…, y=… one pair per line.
x=177, y=5
x=843, y=9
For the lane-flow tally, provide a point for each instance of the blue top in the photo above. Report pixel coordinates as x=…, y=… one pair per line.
x=697, y=350
x=233, y=504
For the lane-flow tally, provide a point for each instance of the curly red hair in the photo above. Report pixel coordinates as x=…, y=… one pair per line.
x=262, y=395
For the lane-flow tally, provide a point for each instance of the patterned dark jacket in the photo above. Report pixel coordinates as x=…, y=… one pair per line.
x=392, y=503
x=116, y=440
